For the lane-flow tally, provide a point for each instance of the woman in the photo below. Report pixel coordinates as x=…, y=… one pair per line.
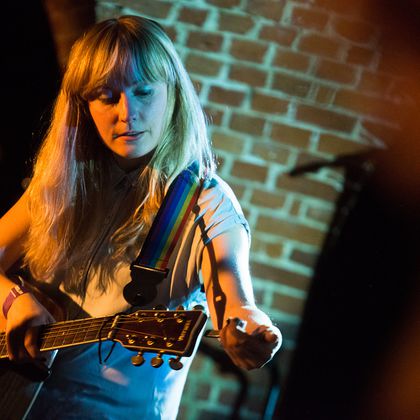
x=126, y=123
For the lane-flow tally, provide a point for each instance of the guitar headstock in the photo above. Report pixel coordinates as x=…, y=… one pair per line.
x=159, y=331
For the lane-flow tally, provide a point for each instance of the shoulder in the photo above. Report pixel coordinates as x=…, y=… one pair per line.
x=219, y=209
x=216, y=190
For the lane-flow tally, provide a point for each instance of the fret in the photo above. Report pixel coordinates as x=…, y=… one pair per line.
x=65, y=334
x=3, y=347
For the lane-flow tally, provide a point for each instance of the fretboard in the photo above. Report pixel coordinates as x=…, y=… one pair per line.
x=68, y=333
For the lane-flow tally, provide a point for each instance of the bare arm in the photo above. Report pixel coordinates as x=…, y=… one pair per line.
x=247, y=334
x=25, y=311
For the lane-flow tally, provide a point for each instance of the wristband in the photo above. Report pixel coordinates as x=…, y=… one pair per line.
x=15, y=292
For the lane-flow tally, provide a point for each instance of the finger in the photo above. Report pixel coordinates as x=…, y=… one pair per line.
x=15, y=345
x=31, y=343
x=268, y=334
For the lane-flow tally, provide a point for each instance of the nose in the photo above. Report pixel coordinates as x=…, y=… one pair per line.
x=127, y=107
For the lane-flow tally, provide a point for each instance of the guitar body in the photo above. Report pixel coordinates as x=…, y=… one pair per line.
x=21, y=383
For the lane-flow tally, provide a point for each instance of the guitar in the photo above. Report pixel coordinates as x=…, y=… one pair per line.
x=152, y=331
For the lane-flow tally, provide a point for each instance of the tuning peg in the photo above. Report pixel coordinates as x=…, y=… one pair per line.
x=180, y=308
x=138, y=359
x=157, y=361
x=175, y=363
x=160, y=307
x=199, y=307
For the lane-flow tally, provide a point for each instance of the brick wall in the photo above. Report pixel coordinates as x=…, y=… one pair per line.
x=284, y=83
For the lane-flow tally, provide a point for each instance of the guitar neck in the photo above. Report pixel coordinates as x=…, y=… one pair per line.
x=68, y=333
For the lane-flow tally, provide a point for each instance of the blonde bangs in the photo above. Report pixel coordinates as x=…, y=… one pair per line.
x=118, y=59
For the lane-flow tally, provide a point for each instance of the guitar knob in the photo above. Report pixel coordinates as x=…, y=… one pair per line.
x=157, y=361
x=180, y=308
x=199, y=307
x=138, y=359
x=175, y=363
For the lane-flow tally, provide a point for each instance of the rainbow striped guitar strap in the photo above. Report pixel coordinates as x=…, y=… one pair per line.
x=151, y=266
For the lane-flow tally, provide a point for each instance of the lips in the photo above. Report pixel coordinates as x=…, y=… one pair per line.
x=128, y=134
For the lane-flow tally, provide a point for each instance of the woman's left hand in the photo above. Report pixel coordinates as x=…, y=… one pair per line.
x=250, y=350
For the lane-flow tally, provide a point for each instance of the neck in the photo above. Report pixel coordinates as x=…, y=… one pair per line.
x=68, y=333
x=128, y=165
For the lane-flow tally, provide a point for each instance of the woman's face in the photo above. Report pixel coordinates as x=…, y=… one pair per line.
x=130, y=120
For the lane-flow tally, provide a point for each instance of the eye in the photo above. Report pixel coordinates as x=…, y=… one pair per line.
x=143, y=91
x=107, y=96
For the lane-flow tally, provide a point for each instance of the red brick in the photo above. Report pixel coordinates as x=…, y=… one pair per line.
x=319, y=214
x=392, y=62
x=248, y=50
x=295, y=207
x=273, y=250
x=382, y=132
x=335, y=145
x=281, y=35
x=245, y=170
x=305, y=159
x=288, y=304
x=365, y=105
x=234, y=22
x=293, y=136
x=246, y=74
x=152, y=8
x=360, y=55
x=290, y=230
x=226, y=96
x=319, y=45
x=336, y=72
x=271, y=153
x=202, y=391
x=171, y=32
x=197, y=85
x=199, y=64
x=375, y=83
x=289, y=331
x=270, y=9
x=227, y=398
x=204, y=41
x=292, y=60
x=193, y=16
x=268, y=103
x=247, y=124
x=227, y=4
x=267, y=199
x=306, y=186
x=238, y=189
x=254, y=406
x=309, y=18
x=325, y=118
x=341, y=6
x=325, y=95
x=214, y=116
x=307, y=259
x=355, y=31
x=279, y=275
x=291, y=85
x=227, y=142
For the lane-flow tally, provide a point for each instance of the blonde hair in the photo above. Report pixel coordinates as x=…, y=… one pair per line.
x=72, y=164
